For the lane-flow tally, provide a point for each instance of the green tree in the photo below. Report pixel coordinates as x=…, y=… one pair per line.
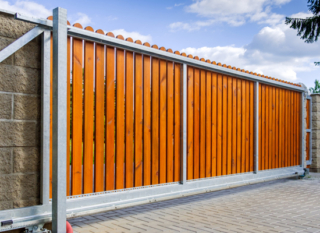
x=316, y=88
x=309, y=28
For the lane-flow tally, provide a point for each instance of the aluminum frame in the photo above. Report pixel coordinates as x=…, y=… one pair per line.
x=256, y=127
x=309, y=162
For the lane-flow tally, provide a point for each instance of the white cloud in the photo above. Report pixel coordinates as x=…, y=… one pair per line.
x=232, y=12
x=133, y=35
x=26, y=8
x=275, y=51
x=175, y=5
x=81, y=18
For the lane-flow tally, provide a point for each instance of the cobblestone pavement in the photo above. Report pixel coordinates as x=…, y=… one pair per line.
x=287, y=205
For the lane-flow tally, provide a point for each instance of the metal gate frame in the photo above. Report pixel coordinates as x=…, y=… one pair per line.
x=309, y=162
x=61, y=207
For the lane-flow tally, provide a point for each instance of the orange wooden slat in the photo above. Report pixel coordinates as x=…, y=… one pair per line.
x=216, y=96
x=224, y=124
x=298, y=128
x=110, y=119
x=129, y=119
x=163, y=121
x=155, y=120
x=146, y=121
x=77, y=81
x=308, y=146
x=202, y=124
x=239, y=125
x=294, y=116
x=138, y=119
x=51, y=94
x=170, y=121
x=247, y=127
x=234, y=126
x=190, y=124
x=196, y=124
x=267, y=99
x=251, y=97
x=177, y=121
x=209, y=123
x=308, y=115
x=88, y=117
x=243, y=128
x=277, y=130
x=273, y=127
x=68, y=116
x=287, y=115
x=280, y=141
x=260, y=127
x=229, y=126
x=291, y=129
x=120, y=122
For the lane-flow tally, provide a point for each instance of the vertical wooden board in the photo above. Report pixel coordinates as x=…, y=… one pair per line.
x=196, y=124
x=234, y=126
x=190, y=124
x=291, y=129
x=229, y=126
x=251, y=96
x=163, y=121
x=260, y=127
x=308, y=115
x=239, y=125
x=209, y=122
x=177, y=121
x=155, y=120
x=294, y=117
x=280, y=123
x=224, y=124
x=88, y=117
x=202, y=124
x=274, y=127
x=215, y=138
x=170, y=121
x=277, y=130
x=138, y=120
x=129, y=98
x=271, y=141
x=266, y=155
x=298, y=127
x=243, y=128
x=120, y=121
x=77, y=81
x=307, y=146
x=263, y=126
x=110, y=119
x=147, y=126
x=247, y=127
x=99, y=121
x=289, y=117
x=287, y=129
x=218, y=125
x=68, y=116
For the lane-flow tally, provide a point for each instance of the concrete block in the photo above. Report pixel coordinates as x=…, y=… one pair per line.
x=19, y=187
x=4, y=42
x=315, y=144
x=315, y=134
x=29, y=56
x=13, y=28
x=315, y=162
x=26, y=107
x=26, y=159
x=315, y=107
x=315, y=98
x=315, y=124
x=316, y=116
x=19, y=79
x=25, y=203
x=19, y=134
x=5, y=106
x=5, y=160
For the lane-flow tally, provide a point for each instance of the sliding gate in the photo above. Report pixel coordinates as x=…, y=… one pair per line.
x=144, y=124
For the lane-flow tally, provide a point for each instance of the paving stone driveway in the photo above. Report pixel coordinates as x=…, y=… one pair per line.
x=287, y=205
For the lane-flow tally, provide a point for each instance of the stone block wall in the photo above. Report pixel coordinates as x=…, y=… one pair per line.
x=315, y=166
x=20, y=82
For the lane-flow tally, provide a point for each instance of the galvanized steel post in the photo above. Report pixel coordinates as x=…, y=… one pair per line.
x=256, y=127
x=45, y=116
x=184, y=125
x=59, y=120
x=302, y=146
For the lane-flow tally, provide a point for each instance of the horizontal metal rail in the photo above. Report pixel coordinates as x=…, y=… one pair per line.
x=99, y=38
x=131, y=197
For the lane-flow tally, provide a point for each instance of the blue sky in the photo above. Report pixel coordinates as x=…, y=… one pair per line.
x=248, y=34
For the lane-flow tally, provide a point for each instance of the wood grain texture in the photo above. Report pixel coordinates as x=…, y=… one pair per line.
x=219, y=125
x=155, y=120
x=224, y=124
x=209, y=124
x=68, y=116
x=229, y=127
x=251, y=146
x=170, y=122
x=120, y=121
x=234, y=126
x=177, y=121
x=110, y=119
x=88, y=117
x=190, y=111
x=243, y=128
x=77, y=120
x=196, y=124
x=163, y=121
x=138, y=121
x=239, y=125
x=147, y=136
x=202, y=124
x=129, y=98
x=247, y=119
